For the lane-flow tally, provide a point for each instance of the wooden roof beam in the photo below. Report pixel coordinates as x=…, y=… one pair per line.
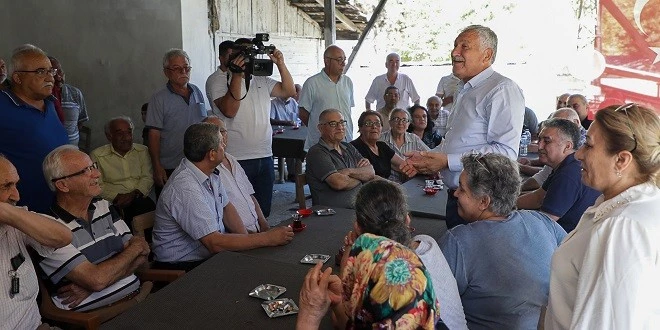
x=342, y=18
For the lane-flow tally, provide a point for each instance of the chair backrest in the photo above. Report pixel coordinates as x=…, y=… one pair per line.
x=301, y=181
x=85, y=142
x=143, y=222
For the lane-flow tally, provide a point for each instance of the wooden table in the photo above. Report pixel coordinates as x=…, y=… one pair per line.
x=289, y=144
x=422, y=205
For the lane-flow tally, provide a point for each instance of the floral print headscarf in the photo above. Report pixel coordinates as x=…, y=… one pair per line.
x=386, y=286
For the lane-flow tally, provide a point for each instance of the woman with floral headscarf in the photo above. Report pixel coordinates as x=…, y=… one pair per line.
x=383, y=285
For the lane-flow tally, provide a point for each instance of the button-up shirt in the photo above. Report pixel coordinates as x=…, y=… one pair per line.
x=240, y=191
x=123, y=174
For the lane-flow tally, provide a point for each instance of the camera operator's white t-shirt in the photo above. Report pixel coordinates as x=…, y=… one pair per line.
x=249, y=132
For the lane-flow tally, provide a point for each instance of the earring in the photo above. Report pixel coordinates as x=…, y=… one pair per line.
x=618, y=174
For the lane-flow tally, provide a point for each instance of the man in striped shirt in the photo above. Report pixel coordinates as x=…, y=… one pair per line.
x=97, y=268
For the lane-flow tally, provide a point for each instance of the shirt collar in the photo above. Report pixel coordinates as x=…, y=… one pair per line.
x=328, y=77
x=199, y=175
x=169, y=87
x=603, y=208
x=112, y=150
x=18, y=102
x=481, y=77
x=67, y=217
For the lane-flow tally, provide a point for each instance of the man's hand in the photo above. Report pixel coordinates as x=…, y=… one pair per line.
x=277, y=57
x=280, y=235
x=72, y=294
x=315, y=298
x=123, y=200
x=138, y=244
x=424, y=162
x=160, y=176
x=363, y=163
x=524, y=161
x=240, y=62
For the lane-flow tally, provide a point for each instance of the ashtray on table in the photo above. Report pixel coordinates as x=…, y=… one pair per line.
x=267, y=291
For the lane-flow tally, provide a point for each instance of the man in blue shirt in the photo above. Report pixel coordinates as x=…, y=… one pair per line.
x=487, y=115
x=30, y=128
x=562, y=197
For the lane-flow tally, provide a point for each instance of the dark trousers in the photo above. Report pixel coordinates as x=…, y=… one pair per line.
x=261, y=174
x=453, y=219
x=157, y=188
x=137, y=207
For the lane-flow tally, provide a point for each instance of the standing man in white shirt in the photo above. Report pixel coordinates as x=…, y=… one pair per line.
x=447, y=87
x=405, y=85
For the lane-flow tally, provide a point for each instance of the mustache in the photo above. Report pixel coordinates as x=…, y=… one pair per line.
x=457, y=59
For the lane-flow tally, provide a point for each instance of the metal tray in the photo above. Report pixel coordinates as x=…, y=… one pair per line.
x=314, y=258
x=267, y=291
x=280, y=307
x=325, y=212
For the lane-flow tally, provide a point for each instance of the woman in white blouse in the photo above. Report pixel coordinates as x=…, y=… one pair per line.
x=606, y=272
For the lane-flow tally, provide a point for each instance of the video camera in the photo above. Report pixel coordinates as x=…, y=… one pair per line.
x=253, y=65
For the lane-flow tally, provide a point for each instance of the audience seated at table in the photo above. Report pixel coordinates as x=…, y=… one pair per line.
x=605, y=273
x=397, y=136
x=383, y=285
x=422, y=127
x=501, y=257
x=97, y=268
x=126, y=172
x=238, y=187
x=381, y=209
x=194, y=217
x=384, y=160
x=335, y=169
x=562, y=197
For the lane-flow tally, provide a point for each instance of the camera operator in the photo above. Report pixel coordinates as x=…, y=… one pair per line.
x=245, y=109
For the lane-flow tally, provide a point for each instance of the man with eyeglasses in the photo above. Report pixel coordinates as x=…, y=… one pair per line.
x=580, y=104
x=30, y=128
x=71, y=101
x=391, y=97
x=98, y=268
x=335, y=169
x=172, y=109
x=3, y=74
x=328, y=89
x=401, y=81
x=243, y=103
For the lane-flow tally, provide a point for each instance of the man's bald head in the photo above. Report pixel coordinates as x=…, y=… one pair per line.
x=8, y=182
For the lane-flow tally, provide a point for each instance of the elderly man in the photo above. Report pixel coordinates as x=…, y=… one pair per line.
x=71, y=102
x=194, y=216
x=328, y=89
x=19, y=228
x=238, y=187
x=30, y=128
x=562, y=100
x=487, y=115
x=438, y=115
x=535, y=168
x=243, y=101
x=401, y=81
x=126, y=175
x=3, y=73
x=447, y=87
x=580, y=104
x=335, y=169
x=391, y=99
x=171, y=110
x=563, y=197
x=97, y=269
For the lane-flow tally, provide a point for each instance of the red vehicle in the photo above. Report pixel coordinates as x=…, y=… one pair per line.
x=628, y=36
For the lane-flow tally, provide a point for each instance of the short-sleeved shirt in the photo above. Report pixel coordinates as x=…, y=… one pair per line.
x=172, y=114
x=21, y=310
x=27, y=135
x=320, y=93
x=447, y=86
x=382, y=162
x=249, y=130
x=284, y=110
x=190, y=207
x=502, y=268
x=240, y=191
x=565, y=194
x=322, y=161
x=407, y=91
x=75, y=111
x=95, y=241
x=440, y=123
x=411, y=142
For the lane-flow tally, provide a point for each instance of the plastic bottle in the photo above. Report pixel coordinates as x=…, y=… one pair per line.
x=524, y=142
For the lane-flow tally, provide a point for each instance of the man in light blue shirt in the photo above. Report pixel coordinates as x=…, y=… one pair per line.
x=487, y=115
x=194, y=215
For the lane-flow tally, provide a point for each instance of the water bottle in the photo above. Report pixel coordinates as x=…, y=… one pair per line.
x=523, y=144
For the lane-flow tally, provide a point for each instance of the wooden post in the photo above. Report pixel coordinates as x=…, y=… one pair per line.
x=329, y=24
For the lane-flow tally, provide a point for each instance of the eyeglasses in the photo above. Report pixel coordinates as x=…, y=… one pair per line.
x=334, y=124
x=86, y=170
x=479, y=158
x=392, y=94
x=370, y=123
x=339, y=60
x=180, y=69
x=400, y=120
x=41, y=72
x=625, y=108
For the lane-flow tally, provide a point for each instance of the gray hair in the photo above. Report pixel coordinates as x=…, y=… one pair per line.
x=53, y=165
x=381, y=209
x=566, y=128
x=434, y=97
x=487, y=38
x=581, y=97
x=172, y=53
x=199, y=139
x=570, y=113
x=390, y=55
x=398, y=110
x=495, y=176
x=20, y=53
x=327, y=112
x=107, y=125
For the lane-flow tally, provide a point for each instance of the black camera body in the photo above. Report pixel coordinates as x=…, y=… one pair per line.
x=253, y=65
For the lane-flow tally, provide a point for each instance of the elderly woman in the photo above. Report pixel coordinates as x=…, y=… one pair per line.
x=422, y=126
x=605, y=274
x=379, y=154
x=397, y=137
x=383, y=285
x=501, y=258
